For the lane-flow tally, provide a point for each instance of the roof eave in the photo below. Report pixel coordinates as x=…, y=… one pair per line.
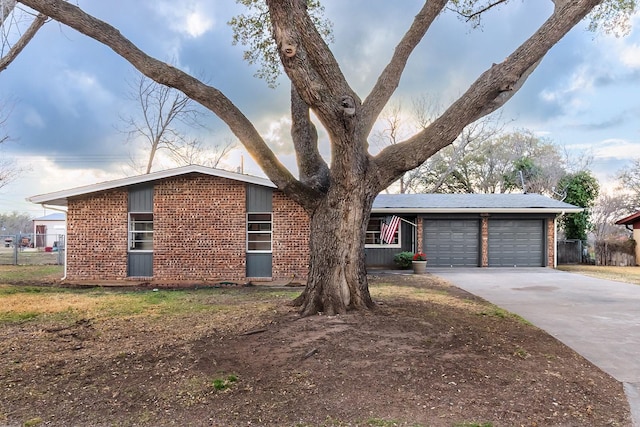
x=629, y=220
x=476, y=210
x=59, y=198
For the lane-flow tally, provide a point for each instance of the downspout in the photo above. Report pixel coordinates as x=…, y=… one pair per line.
x=555, y=240
x=64, y=275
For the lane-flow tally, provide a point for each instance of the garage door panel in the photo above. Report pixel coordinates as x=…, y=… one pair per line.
x=516, y=243
x=452, y=242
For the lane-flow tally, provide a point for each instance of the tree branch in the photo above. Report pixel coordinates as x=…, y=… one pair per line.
x=489, y=92
x=390, y=76
x=165, y=74
x=6, y=8
x=313, y=169
x=15, y=50
x=310, y=64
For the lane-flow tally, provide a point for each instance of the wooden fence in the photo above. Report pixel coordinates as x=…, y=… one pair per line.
x=620, y=253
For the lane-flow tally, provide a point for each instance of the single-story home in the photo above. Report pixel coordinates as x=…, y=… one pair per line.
x=201, y=224
x=633, y=221
x=49, y=230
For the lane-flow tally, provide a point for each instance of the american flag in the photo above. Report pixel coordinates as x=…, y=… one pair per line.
x=388, y=228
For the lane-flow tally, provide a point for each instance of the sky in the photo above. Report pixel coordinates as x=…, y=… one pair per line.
x=67, y=94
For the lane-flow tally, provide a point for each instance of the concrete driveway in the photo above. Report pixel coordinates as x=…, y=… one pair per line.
x=599, y=319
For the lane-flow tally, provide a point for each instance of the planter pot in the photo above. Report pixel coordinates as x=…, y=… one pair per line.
x=419, y=267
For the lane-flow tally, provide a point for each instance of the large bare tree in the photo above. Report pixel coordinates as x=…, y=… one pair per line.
x=162, y=120
x=338, y=197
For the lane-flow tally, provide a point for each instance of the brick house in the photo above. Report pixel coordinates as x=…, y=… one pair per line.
x=185, y=224
x=197, y=224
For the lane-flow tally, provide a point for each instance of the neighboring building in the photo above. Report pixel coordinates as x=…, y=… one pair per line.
x=49, y=230
x=200, y=224
x=633, y=222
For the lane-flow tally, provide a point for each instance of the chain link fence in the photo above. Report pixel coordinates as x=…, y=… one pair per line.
x=30, y=249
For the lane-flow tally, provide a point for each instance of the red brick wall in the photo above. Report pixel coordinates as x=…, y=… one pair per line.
x=551, y=243
x=97, y=236
x=484, y=240
x=199, y=229
x=290, y=239
x=199, y=233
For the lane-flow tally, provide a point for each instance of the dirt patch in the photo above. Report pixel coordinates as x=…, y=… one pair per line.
x=429, y=355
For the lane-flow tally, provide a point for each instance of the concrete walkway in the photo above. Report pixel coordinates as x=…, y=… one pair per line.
x=599, y=319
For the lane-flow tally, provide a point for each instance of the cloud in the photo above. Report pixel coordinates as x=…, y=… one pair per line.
x=75, y=90
x=630, y=56
x=610, y=149
x=33, y=119
x=278, y=135
x=191, y=18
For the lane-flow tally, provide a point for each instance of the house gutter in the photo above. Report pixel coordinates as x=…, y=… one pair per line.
x=64, y=275
x=475, y=210
x=555, y=240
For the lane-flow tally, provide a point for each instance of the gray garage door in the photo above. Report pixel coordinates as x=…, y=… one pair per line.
x=452, y=242
x=516, y=243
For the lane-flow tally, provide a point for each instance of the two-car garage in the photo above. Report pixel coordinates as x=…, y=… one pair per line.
x=475, y=230
x=510, y=242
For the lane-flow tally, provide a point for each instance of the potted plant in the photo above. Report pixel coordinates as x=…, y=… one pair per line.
x=419, y=262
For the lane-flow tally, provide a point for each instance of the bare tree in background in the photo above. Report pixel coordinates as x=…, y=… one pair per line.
x=13, y=36
x=165, y=116
x=431, y=176
x=17, y=29
x=607, y=209
x=9, y=169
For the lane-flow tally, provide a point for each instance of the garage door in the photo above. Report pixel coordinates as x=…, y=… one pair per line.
x=516, y=243
x=452, y=242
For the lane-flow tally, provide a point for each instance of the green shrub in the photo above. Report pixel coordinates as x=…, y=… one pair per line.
x=403, y=259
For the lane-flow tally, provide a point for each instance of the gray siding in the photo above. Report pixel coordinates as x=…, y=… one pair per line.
x=141, y=198
x=140, y=264
x=383, y=257
x=259, y=265
x=259, y=199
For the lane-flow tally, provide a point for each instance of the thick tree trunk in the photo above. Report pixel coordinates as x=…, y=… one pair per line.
x=337, y=279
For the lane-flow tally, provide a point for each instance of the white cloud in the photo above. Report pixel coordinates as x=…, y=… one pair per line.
x=278, y=136
x=615, y=148
x=630, y=56
x=191, y=17
x=609, y=149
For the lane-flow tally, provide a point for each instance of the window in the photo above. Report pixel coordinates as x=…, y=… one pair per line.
x=259, y=232
x=140, y=231
x=373, y=234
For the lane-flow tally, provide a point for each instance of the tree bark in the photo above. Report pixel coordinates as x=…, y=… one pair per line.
x=337, y=280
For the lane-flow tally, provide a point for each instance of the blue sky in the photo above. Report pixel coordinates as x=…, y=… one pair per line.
x=67, y=91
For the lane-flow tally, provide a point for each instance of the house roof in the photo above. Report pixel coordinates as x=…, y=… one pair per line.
x=630, y=220
x=57, y=216
x=384, y=203
x=59, y=198
x=470, y=203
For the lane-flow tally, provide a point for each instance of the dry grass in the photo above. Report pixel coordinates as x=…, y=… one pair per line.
x=620, y=274
x=19, y=303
